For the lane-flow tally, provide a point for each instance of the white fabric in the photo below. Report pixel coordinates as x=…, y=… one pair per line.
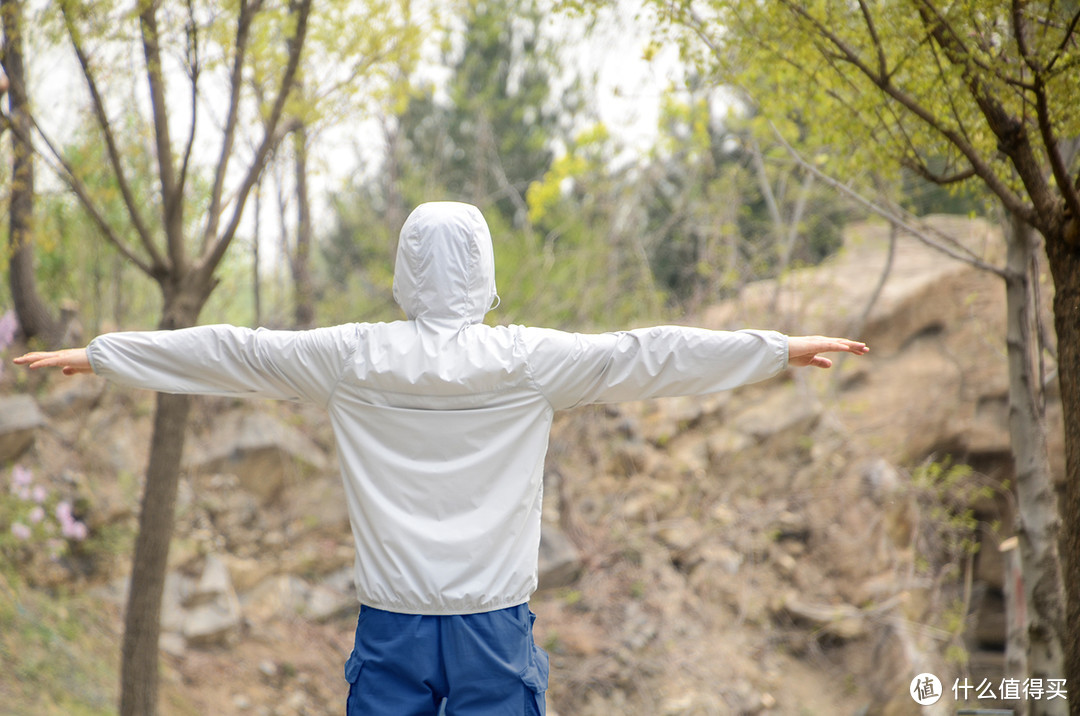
x=441, y=421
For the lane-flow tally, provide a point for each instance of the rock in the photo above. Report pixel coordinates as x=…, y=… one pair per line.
x=246, y=572
x=214, y=582
x=214, y=615
x=780, y=415
x=172, y=644
x=723, y=443
x=213, y=624
x=73, y=397
x=680, y=535
x=841, y=621
x=324, y=603
x=880, y=480
x=20, y=419
x=264, y=453
x=280, y=596
x=560, y=563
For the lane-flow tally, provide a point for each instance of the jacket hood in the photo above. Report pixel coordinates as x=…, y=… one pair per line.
x=445, y=266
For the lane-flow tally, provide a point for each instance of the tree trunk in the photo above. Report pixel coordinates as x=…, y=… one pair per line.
x=1038, y=520
x=139, y=666
x=142, y=620
x=1064, y=256
x=34, y=316
x=304, y=309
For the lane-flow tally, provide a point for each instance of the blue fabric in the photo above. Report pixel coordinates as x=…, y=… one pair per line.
x=484, y=664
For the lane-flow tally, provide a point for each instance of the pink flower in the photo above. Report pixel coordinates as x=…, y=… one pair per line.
x=36, y=515
x=9, y=326
x=63, y=513
x=74, y=530
x=39, y=494
x=20, y=531
x=21, y=476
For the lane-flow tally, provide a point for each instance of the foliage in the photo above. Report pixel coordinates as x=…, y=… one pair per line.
x=35, y=519
x=947, y=538
x=913, y=85
x=57, y=650
x=489, y=137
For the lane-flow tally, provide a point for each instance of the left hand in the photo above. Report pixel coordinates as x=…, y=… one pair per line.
x=805, y=350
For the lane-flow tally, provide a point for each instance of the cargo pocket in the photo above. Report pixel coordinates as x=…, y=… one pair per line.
x=352, y=675
x=535, y=678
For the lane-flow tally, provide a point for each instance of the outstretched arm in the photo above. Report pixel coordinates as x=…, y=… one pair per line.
x=805, y=350
x=71, y=360
x=214, y=360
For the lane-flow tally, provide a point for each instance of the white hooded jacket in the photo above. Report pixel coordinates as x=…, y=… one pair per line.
x=441, y=421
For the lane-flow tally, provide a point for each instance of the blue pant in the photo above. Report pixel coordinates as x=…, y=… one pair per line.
x=481, y=664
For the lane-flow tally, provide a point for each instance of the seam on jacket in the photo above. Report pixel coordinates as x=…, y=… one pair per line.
x=344, y=365
x=519, y=344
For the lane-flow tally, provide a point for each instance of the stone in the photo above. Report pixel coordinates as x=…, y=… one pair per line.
x=73, y=397
x=214, y=582
x=560, y=563
x=20, y=419
x=213, y=624
x=681, y=534
x=779, y=415
x=173, y=644
x=324, y=604
x=840, y=621
x=280, y=596
x=213, y=610
x=263, y=453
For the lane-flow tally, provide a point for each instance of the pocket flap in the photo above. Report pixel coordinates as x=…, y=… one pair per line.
x=352, y=667
x=535, y=674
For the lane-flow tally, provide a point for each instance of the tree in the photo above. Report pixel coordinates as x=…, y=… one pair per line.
x=194, y=46
x=494, y=133
x=35, y=317
x=728, y=209
x=346, y=77
x=484, y=135
x=979, y=91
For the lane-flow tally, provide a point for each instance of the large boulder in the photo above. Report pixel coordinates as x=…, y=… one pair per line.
x=263, y=453
x=560, y=563
x=20, y=419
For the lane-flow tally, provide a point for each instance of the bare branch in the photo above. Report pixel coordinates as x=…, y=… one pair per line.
x=171, y=195
x=887, y=213
x=271, y=137
x=883, y=66
x=922, y=170
x=1064, y=42
x=195, y=65
x=1019, y=31
x=133, y=208
x=67, y=174
x=243, y=31
x=1011, y=133
x=982, y=169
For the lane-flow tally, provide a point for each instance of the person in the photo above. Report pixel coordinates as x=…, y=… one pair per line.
x=442, y=424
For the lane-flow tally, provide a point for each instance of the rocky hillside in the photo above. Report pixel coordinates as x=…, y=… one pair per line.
x=802, y=546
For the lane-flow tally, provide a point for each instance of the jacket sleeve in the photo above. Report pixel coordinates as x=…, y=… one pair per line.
x=226, y=360
x=574, y=369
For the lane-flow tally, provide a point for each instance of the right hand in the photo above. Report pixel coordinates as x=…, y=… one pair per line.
x=71, y=361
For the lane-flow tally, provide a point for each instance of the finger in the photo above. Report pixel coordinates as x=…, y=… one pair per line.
x=820, y=362
x=28, y=357
x=842, y=345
